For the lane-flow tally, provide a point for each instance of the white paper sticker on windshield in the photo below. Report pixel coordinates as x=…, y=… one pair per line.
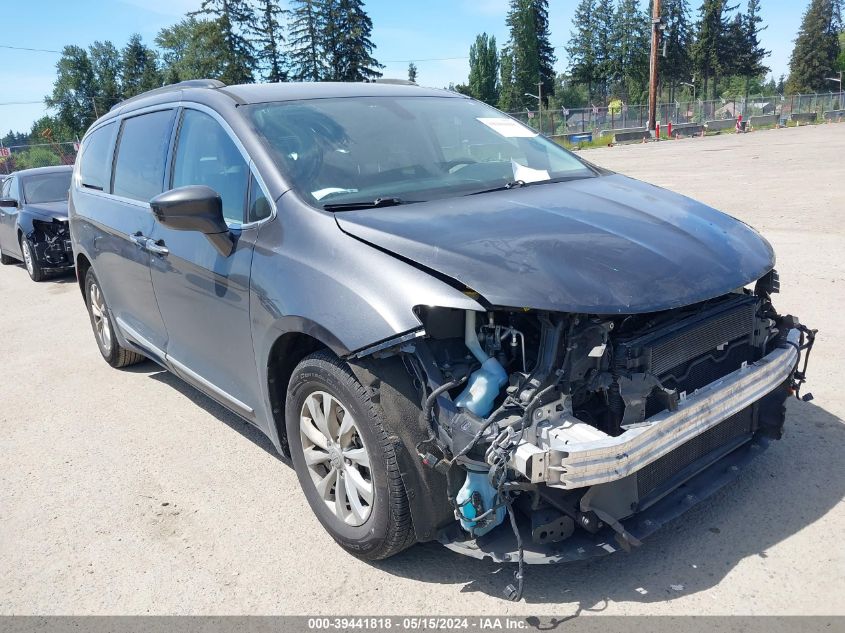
x=508, y=128
x=322, y=193
x=528, y=174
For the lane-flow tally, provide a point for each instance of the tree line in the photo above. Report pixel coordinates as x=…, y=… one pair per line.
x=716, y=52
x=235, y=41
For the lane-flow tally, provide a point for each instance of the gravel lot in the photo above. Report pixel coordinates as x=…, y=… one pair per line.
x=127, y=492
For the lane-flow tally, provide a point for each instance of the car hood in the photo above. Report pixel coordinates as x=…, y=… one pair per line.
x=48, y=210
x=603, y=245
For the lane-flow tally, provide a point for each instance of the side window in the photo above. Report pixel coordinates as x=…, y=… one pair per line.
x=141, y=155
x=259, y=206
x=10, y=188
x=95, y=163
x=206, y=155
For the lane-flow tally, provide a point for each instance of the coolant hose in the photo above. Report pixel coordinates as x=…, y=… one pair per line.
x=471, y=338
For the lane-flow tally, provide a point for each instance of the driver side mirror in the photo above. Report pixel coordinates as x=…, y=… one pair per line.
x=9, y=202
x=195, y=208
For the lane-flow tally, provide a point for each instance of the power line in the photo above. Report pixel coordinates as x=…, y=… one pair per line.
x=5, y=103
x=34, y=50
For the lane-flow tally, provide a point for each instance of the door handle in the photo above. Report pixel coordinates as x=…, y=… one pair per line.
x=157, y=247
x=138, y=239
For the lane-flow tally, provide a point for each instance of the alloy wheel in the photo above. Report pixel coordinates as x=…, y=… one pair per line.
x=27, y=257
x=98, y=314
x=336, y=458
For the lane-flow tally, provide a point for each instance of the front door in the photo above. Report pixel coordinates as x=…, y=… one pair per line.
x=203, y=295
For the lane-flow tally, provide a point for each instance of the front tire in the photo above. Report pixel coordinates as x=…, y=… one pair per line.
x=344, y=460
x=101, y=323
x=36, y=273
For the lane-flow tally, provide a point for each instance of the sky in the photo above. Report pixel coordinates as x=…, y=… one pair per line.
x=436, y=34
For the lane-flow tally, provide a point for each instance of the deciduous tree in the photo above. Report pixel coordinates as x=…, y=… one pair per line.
x=484, y=69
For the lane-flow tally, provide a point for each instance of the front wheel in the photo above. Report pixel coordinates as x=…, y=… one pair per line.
x=344, y=460
x=36, y=273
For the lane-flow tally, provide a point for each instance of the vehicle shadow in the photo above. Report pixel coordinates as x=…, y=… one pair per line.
x=797, y=481
x=214, y=409
x=792, y=485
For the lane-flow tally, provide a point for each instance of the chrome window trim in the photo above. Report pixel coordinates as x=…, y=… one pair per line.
x=190, y=105
x=175, y=105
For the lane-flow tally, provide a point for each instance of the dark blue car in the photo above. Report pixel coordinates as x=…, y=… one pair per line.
x=33, y=220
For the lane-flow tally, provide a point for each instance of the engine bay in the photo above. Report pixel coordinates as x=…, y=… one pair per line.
x=560, y=425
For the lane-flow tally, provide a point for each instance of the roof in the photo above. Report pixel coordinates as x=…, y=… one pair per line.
x=262, y=93
x=211, y=91
x=40, y=170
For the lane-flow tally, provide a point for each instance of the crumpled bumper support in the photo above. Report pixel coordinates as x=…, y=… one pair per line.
x=577, y=464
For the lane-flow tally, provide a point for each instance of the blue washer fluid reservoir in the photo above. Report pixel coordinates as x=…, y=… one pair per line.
x=476, y=497
x=482, y=388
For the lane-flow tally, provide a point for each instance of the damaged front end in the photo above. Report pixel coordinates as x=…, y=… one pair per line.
x=565, y=436
x=51, y=244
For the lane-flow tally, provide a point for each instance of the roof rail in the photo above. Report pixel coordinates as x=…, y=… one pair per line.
x=395, y=82
x=182, y=85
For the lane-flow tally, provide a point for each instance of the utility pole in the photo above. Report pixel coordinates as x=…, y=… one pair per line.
x=540, y=105
x=655, y=51
x=539, y=98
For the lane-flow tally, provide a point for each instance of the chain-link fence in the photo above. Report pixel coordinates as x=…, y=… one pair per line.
x=26, y=156
x=621, y=116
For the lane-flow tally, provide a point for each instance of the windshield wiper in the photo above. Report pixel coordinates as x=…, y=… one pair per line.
x=514, y=184
x=363, y=204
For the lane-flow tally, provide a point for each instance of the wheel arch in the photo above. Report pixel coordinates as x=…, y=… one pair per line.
x=82, y=266
x=294, y=340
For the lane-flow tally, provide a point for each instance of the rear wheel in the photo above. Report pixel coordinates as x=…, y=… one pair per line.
x=344, y=460
x=36, y=273
x=101, y=323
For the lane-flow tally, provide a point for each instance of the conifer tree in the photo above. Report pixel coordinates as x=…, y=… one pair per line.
x=270, y=41
x=814, y=57
x=347, y=29
x=304, y=40
x=676, y=66
x=412, y=72
x=237, y=20
x=140, y=68
x=711, y=52
x=531, y=49
x=606, y=47
x=581, y=49
x=633, y=35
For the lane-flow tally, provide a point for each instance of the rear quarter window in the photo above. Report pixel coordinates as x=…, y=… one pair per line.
x=95, y=163
x=141, y=155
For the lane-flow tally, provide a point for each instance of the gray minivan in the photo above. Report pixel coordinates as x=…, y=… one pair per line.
x=455, y=328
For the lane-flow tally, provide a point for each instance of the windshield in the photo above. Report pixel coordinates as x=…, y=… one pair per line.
x=350, y=150
x=52, y=187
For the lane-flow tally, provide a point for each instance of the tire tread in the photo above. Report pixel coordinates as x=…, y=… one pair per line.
x=400, y=535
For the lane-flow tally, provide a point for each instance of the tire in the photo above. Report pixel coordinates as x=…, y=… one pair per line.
x=6, y=259
x=36, y=273
x=384, y=528
x=101, y=323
